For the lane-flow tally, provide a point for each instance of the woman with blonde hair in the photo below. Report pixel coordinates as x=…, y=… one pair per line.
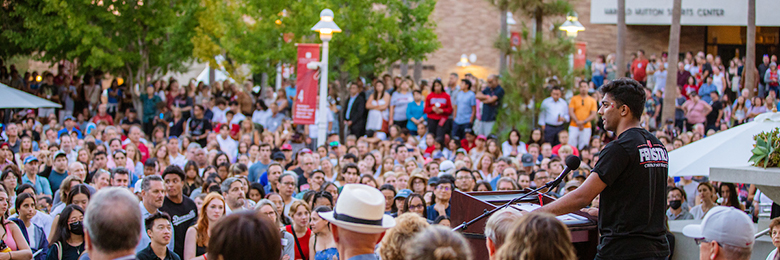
x=161, y=153
x=396, y=239
x=485, y=166
x=537, y=236
x=134, y=155
x=197, y=239
x=300, y=213
x=439, y=243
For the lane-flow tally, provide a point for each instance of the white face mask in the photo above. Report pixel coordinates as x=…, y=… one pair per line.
x=335, y=162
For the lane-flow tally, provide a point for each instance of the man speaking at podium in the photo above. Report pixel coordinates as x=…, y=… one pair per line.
x=631, y=178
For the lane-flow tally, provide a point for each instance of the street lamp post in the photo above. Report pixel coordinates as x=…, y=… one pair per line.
x=326, y=27
x=572, y=25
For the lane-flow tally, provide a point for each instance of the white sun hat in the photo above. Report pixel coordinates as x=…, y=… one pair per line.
x=361, y=209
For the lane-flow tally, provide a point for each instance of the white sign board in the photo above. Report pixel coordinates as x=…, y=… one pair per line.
x=694, y=12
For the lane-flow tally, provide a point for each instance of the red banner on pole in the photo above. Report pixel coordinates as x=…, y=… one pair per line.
x=579, y=55
x=305, y=103
x=515, y=39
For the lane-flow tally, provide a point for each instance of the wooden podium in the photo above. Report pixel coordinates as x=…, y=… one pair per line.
x=466, y=206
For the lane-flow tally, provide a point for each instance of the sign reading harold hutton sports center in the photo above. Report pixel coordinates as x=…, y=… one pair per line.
x=694, y=12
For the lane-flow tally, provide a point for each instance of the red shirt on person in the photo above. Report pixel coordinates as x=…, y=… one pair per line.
x=106, y=118
x=441, y=100
x=638, y=69
x=303, y=242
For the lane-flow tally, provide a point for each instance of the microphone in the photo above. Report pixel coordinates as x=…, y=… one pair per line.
x=572, y=162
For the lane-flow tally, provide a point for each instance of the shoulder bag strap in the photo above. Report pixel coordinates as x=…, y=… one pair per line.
x=297, y=244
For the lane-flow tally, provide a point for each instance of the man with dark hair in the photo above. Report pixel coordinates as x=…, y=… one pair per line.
x=104, y=238
x=553, y=115
x=99, y=162
x=351, y=173
x=676, y=198
x=257, y=170
x=464, y=109
x=198, y=126
x=158, y=228
x=355, y=112
x=181, y=208
x=464, y=180
x=633, y=166
x=491, y=100
x=120, y=177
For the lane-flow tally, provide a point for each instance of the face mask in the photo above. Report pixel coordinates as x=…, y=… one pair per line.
x=675, y=204
x=77, y=228
x=335, y=162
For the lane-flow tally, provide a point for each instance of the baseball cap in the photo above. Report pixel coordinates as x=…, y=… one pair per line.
x=278, y=156
x=433, y=180
x=468, y=131
x=403, y=193
x=58, y=154
x=461, y=150
x=30, y=158
x=446, y=166
x=726, y=225
x=4, y=145
x=68, y=118
x=481, y=137
x=528, y=160
x=286, y=147
x=305, y=150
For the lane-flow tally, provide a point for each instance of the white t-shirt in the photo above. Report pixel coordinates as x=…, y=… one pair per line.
x=219, y=115
x=31, y=235
x=228, y=145
x=237, y=118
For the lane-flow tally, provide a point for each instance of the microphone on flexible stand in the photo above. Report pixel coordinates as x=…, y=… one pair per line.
x=572, y=162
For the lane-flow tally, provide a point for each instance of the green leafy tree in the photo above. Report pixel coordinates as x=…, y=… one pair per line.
x=535, y=62
x=139, y=40
x=262, y=33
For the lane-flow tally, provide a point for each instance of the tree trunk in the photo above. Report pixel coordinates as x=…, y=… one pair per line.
x=670, y=92
x=503, y=37
x=538, y=19
x=417, y=71
x=750, y=53
x=404, y=69
x=620, y=56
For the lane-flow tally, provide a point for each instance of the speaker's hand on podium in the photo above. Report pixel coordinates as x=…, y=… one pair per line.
x=592, y=211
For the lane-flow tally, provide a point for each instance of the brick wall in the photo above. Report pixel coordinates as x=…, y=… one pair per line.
x=472, y=26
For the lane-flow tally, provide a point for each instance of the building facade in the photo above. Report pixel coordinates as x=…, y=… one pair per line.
x=715, y=27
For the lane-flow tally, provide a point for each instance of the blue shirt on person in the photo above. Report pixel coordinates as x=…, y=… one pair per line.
x=465, y=101
x=413, y=110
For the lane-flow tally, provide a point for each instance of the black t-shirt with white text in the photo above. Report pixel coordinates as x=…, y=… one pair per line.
x=183, y=216
x=632, y=213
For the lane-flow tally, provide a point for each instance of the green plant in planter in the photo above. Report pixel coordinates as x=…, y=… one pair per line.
x=766, y=151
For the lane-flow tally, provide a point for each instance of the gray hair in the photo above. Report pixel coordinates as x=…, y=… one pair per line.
x=262, y=203
x=289, y=173
x=500, y=224
x=194, y=145
x=147, y=181
x=227, y=182
x=109, y=207
x=736, y=252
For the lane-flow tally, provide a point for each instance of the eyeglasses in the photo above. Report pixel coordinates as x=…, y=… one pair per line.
x=444, y=188
x=288, y=183
x=416, y=206
x=704, y=240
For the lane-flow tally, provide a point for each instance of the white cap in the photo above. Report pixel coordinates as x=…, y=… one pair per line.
x=726, y=225
x=446, y=166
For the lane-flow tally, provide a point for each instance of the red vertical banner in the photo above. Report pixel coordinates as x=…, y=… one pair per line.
x=515, y=39
x=579, y=55
x=305, y=103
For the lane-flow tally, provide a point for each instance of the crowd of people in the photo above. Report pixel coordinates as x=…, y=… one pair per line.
x=197, y=153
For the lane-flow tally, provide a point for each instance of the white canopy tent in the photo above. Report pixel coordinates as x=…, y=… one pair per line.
x=219, y=75
x=14, y=98
x=725, y=149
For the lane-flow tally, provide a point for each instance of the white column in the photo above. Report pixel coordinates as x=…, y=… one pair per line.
x=323, y=107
